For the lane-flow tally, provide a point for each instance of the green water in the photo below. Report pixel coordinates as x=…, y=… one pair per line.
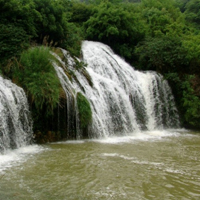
x=153, y=165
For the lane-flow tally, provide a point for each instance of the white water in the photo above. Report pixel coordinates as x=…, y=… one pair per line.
x=17, y=156
x=15, y=122
x=123, y=100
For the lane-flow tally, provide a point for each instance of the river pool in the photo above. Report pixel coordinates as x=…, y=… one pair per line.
x=155, y=165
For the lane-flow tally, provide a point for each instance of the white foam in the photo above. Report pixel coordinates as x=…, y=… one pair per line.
x=141, y=136
x=13, y=157
x=70, y=142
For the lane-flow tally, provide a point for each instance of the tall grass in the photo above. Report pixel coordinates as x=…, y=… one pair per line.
x=36, y=74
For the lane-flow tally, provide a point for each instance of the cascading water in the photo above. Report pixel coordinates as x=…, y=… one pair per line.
x=123, y=100
x=15, y=121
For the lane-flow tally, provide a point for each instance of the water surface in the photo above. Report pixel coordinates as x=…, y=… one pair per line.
x=150, y=165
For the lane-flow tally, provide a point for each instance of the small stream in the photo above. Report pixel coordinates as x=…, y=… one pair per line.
x=147, y=165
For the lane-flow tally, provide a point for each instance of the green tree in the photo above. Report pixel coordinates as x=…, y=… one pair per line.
x=191, y=44
x=53, y=26
x=181, y=4
x=13, y=40
x=80, y=12
x=162, y=17
x=188, y=99
x=51, y=22
x=16, y=29
x=20, y=13
x=116, y=27
x=164, y=54
x=191, y=103
x=192, y=12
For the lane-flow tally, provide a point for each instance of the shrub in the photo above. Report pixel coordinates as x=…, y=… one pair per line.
x=37, y=76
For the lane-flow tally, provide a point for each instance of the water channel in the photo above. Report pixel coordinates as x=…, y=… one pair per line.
x=147, y=165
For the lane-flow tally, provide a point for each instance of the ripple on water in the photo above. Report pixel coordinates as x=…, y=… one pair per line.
x=163, y=168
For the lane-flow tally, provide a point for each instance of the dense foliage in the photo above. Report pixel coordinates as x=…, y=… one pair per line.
x=12, y=42
x=44, y=21
x=164, y=54
x=155, y=35
x=115, y=26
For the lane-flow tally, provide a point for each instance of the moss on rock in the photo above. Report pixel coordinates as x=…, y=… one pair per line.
x=84, y=109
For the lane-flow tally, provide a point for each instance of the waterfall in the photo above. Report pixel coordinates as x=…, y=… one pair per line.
x=123, y=100
x=15, y=122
